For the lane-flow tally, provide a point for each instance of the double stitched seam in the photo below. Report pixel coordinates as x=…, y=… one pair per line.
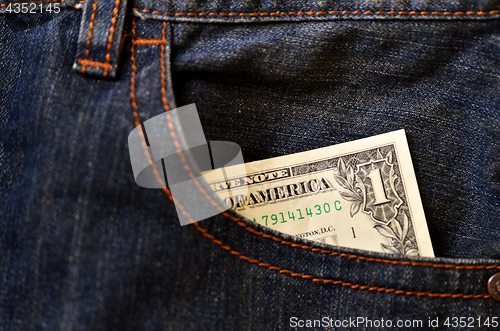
x=340, y=282
x=137, y=119
x=105, y=65
x=204, y=232
x=362, y=258
x=332, y=12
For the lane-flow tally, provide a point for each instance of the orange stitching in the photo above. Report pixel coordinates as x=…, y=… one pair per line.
x=162, y=58
x=141, y=41
x=111, y=33
x=363, y=258
x=91, y=28
x=338, y=282
x=141, y=134
x=170, y=124
x=91, y=63
x=355, y=12
x=246, y=227
x=174, y=135
x=188, y=168
x=353, y=256
x=132, y=79
x=29, y=3
x=227, y=248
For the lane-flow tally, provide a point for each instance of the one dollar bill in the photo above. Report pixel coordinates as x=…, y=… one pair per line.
x=360, y=194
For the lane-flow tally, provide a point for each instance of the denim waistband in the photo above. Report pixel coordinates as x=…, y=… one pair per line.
x=263, y=11
x=101, y=28
x=257, y=10
x=102, y=22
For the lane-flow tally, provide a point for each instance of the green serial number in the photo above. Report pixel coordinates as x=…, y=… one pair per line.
x=316, y=210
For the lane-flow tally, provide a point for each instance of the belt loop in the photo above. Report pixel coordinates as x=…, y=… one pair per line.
x=100, y=36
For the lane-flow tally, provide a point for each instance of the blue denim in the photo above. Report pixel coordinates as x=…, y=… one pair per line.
x=85, y=248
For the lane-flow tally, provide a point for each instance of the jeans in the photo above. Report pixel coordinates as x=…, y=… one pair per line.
x=84, y=248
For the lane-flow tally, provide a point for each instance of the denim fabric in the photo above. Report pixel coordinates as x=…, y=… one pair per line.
x=84, y=248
